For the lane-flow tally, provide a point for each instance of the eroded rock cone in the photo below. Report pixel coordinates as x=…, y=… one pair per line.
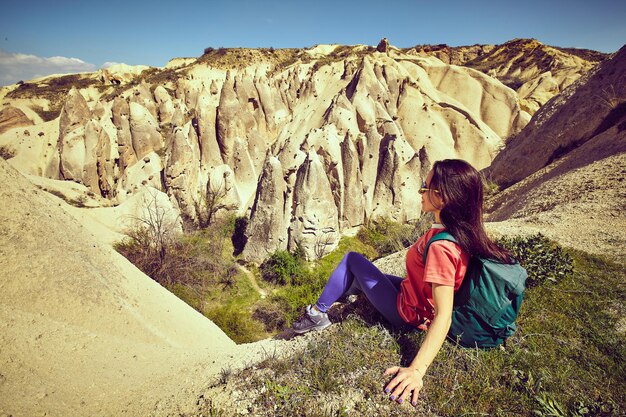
x=267, y=230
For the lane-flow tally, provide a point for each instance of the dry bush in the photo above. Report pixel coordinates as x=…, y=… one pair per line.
x=157, y=247
x=6, y=152
x=212, y=200
x=322, y=243
x=154, y=230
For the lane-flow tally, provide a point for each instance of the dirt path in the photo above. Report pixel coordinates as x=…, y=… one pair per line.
x=252, y=280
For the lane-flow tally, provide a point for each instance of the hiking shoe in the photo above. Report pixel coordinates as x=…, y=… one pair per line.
x=311, y=320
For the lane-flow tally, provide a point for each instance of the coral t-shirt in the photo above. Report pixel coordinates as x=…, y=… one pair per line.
x=446, y=264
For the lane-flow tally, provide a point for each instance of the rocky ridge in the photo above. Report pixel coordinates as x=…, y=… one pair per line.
x=590, y=111
x=537, y=72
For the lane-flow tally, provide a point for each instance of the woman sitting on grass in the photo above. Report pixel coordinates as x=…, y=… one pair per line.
x=453, y=192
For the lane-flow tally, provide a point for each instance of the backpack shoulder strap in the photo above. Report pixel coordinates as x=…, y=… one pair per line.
x=439, y=236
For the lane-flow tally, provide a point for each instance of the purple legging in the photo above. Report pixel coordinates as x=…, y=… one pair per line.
x=356, y=272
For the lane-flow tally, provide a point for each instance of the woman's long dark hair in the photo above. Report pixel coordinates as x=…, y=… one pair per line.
x=461, y=187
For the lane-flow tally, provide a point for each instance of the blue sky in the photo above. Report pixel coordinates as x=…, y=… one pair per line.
x=95, y=33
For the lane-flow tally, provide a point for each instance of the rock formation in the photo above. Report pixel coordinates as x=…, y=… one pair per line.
x=314, y=226
x=11, y=117
x=565, y=170
x=72, y=126
x=383, y=45
x=341, y=135
x=267, y=230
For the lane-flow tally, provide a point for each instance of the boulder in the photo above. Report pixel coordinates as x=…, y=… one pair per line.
x=383, y=45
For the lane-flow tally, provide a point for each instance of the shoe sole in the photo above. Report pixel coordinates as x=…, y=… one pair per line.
x=312, y=329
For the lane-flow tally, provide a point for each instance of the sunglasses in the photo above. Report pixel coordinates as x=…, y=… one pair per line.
x=424, y=189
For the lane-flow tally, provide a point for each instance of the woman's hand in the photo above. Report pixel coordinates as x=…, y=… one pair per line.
x=407, y=381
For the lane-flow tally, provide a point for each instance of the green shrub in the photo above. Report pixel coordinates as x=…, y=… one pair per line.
x=543, y=259
x=282, y=267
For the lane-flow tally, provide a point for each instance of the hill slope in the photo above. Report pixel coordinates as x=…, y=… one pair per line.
x=568, y=166
x=83, y=332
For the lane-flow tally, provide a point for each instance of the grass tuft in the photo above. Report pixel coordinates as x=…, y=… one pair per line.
x=387, y=236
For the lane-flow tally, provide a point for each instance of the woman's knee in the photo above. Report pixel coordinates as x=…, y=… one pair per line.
x=355, y=257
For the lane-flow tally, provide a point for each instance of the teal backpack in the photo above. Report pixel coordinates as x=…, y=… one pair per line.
x=488, y=301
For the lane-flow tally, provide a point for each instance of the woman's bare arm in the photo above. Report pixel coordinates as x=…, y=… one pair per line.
x=409, y=380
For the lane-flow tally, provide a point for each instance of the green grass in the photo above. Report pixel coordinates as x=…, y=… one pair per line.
x=566, y=359
x=305, y=288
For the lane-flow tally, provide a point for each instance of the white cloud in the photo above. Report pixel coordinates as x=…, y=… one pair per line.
x=110, y=64
x=16, y=66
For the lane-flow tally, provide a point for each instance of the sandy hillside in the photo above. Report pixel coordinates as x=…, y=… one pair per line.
x=582, y=207
x=83, y=332
x=568, y=167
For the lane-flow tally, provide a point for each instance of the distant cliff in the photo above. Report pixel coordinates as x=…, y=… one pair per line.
x=537, y=72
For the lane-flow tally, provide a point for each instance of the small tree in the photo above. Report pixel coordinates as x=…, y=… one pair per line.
x=281, y=268
x=322, y=242
x=212, y=200
x=154, y=229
